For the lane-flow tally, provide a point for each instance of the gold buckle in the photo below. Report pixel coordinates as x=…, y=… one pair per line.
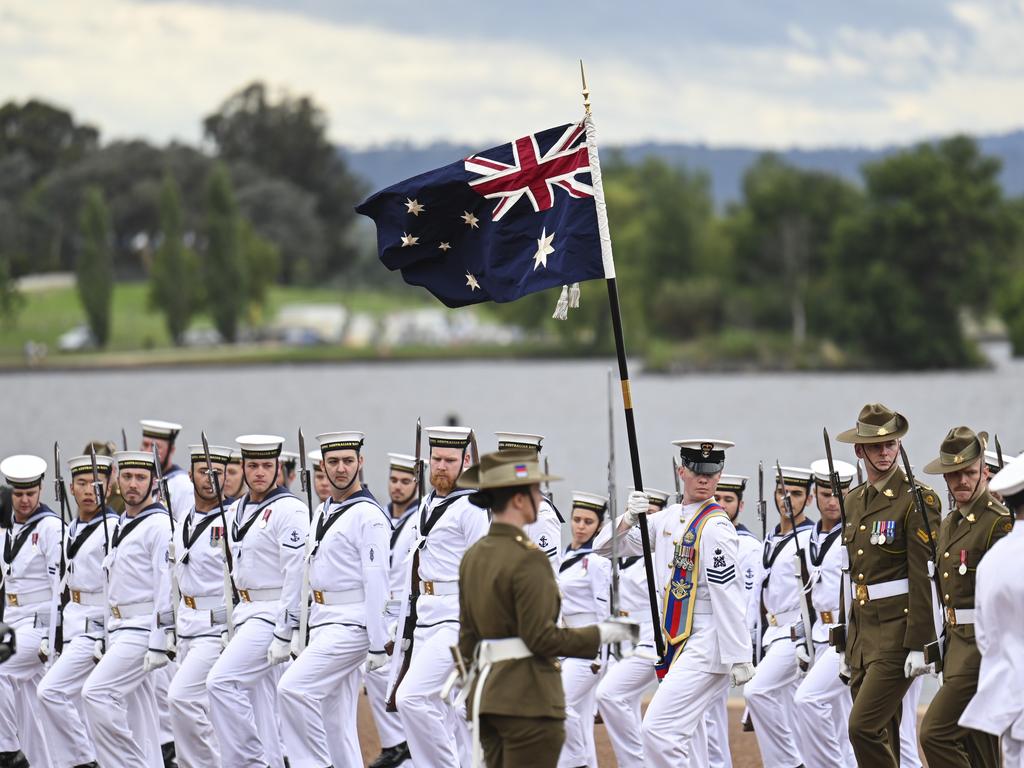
x=951, y=616
x=623, y=613
x=244, y=594
x=772, y=620
x=12, y=599
x=189, y=601
x=76, y=596
x=428, y=587
x=115, y=612
x=861, y=591
x=318, y=597
x=826, y=617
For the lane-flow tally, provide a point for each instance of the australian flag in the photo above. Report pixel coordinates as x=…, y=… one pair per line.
x=505, y=222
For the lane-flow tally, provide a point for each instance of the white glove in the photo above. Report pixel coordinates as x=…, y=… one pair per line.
x=97, y=650
x=915, y=666
x=154, y=660
x=375, y=661
x=845, y=673
x=225, y=638
x=279, y=651
x=636, y=505
x=44, y=649
x=741, y=672
x=803, y=659
x=618, y=631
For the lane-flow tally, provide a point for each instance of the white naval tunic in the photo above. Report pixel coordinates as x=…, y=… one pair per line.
x=546, y=532
x=60, y=689
x=30, y=576
x=182, y=493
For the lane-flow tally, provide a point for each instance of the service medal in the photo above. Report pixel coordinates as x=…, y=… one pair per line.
x=874, y=538
x=962, y=569
x=881, y=538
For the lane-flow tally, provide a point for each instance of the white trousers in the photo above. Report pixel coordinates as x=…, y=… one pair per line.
x=910, y=757
x=243, y=699
x=161, y=682
x=1013, y=751
x=116, y=686
x=61, y=712
x=716, y=721
x=430, y=724
x=580, y=684
x=823, y=707
x=674, y=734
x=619, y=695
x=389, y=724
x=19, y=707
x=188, y=702
x=769, y=699
x=318, y=696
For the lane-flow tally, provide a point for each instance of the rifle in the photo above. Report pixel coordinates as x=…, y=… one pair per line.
x=999, y=453
x=933, y=652
x=675, y=479
x=613, y=521
x=165, y=495
x=837, y=634
x=101, y=498
x=409, y=629
x=230, y=590
x=762, y=505
x=804, y=577
x=56, y=634
x=124, y=440
x=307, y=487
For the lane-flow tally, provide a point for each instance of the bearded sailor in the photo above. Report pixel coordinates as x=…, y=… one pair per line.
x=268, y=539
x=140, y=624
x=32, y=545
x=60, y=690
x=703, y=604
x=162, y=435
x=202, y=610
x=446, y=525
x=621, y=690
x=348, y=578
x=546, y=530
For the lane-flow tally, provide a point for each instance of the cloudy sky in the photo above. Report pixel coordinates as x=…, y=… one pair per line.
x=764, y=74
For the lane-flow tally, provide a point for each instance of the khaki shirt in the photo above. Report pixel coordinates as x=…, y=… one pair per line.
x=888, y=628
x=964, y=537
x=507, y=589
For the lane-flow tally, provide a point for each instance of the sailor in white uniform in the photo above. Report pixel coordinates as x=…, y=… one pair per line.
x=347, y=567
x=703, y=605
x=778, y=619
x=161, y=435
x=823, y=701
x=140, y=624
x=321, y=486
x=546, y=530
x=998, y=705
x=445, y=526
x=31, y=560
x=403, y=490
x=621, y=690
x=200, y=547
x=84, y=615
x=268, y=527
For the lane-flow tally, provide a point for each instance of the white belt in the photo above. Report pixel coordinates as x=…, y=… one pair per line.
x=22, y=599
x=393, y=606
x=699, y=606
x=259, y=595
x=86, y=598
x=439, y=587
x=343, y=597
x=575, y=620
x=131, y=610
x=880, y=591
x=957, y=616
x=782, y=618
x=488, y=653
x=202, y=602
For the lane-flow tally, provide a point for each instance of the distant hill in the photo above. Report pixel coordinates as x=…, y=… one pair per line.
x=384, y=165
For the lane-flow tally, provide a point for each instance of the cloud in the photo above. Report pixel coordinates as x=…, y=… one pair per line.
x=155, y=69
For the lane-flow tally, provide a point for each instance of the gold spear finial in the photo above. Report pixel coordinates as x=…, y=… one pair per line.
x=586, y=91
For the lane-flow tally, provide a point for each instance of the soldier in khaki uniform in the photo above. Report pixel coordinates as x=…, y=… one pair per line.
x=508, y=612
x=889, y=613
x=976, y=523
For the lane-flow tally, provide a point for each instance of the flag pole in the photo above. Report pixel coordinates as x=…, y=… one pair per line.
x=620, y=352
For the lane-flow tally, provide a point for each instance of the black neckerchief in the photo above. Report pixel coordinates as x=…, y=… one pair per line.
x=427, y=523
x=627, y=562
x=769, y=560
x=274, y=494
x=327, y=520
x=204, y=523
x=818, y=550
x=569, y=562
x=76, y=539
x=551, y=501
x=396, y=530
x=13, y=547
x=128, y=525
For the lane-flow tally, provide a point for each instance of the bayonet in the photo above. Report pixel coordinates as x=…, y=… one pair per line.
x=124, y=440
x=803, y=575
x=999, y=453
x=304, y=474
x=762, y=505
x=56, y=632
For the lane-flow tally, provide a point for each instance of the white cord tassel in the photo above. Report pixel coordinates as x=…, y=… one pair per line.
x=574, y=296
x=562, y=305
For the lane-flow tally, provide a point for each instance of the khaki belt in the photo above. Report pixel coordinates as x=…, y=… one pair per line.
x=343, y=597
x=86, y=598
x=22, y=599
x=880, y=591
x=958, y=616
x=259, y=595
x=439, y=587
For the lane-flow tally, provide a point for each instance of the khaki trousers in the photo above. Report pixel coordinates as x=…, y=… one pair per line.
x=945, y=743
x=513, y=742
x=878, y=691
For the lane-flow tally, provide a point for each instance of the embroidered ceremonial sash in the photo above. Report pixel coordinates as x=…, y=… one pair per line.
x=677, y=622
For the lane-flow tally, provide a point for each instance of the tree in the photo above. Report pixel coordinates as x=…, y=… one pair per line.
x=95, y=265
x=175, y=288
x=262, y=261
x=45, y=135
x=223, y=272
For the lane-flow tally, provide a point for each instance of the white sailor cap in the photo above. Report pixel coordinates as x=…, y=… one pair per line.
x=1010, y=480
x=655, y=497
x=220, y=454
x=448, y=437
x=705, y=456
x=819, y=469
x=340, y=441
x=733, y=483
x=163, y=430
x=236, y=456
x=315, y=456
x=795, y=476
x=135, y=460
x=81, y=465
x=518, y=441
x=260, y=446
x=592, y=501
x=402, y=462
x=23, y=470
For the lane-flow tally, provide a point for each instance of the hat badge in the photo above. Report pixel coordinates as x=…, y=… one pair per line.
x=958, y=459
x=882, y=431
x=706, y=448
